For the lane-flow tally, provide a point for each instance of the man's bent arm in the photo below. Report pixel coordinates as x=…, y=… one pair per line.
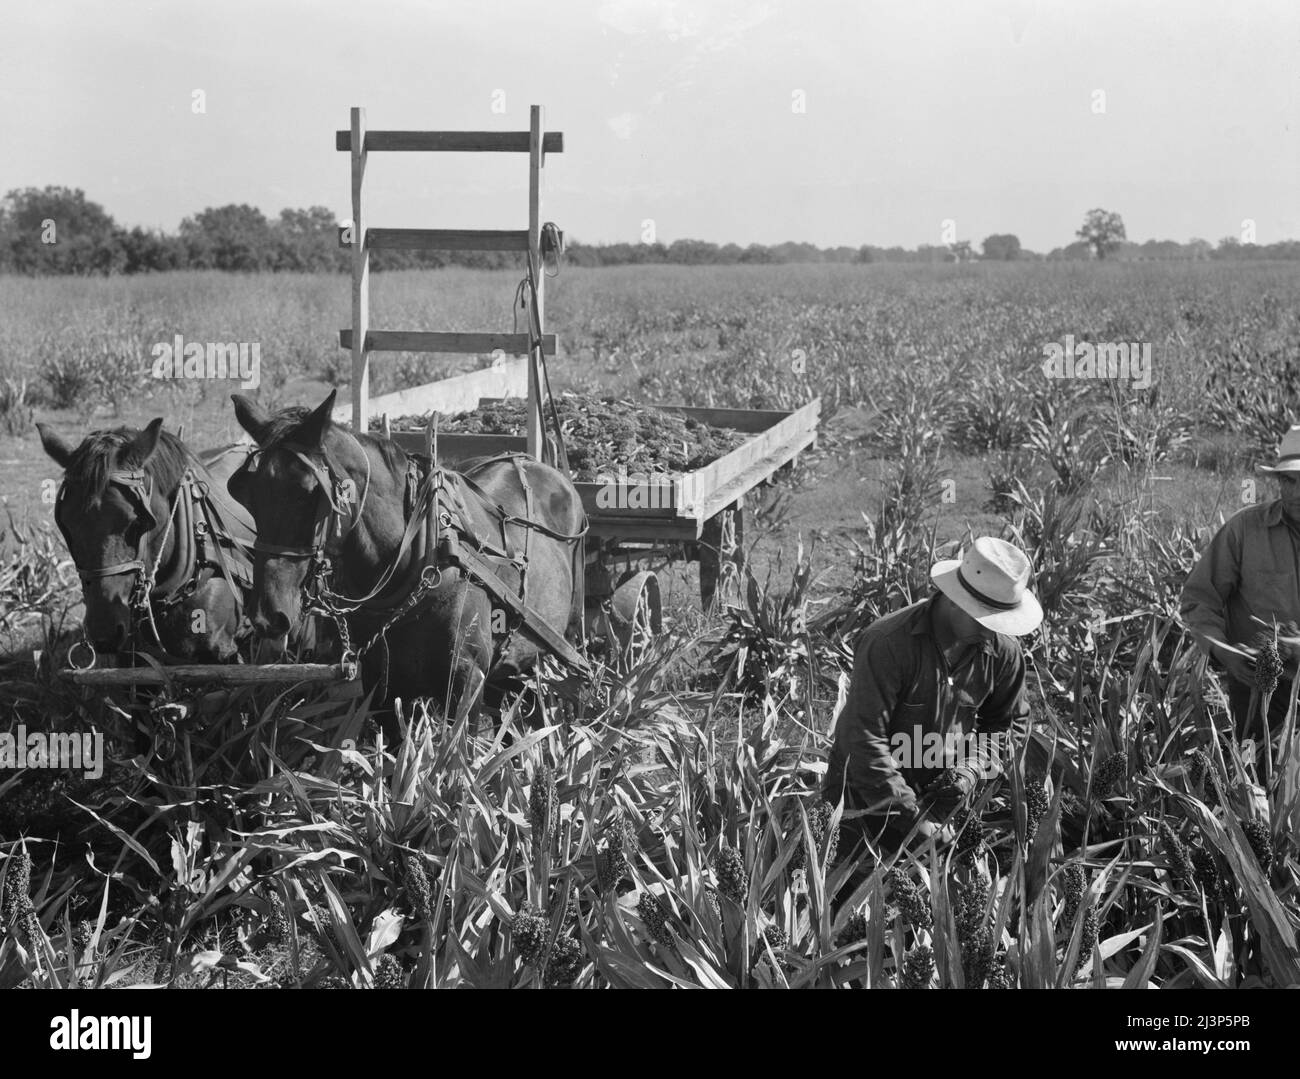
x=1213, y=580
x=871, y=772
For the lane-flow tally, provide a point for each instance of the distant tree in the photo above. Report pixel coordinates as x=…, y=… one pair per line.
x=229, y=238
x=1001, y=247
x=793, y=251
x=580, y=254
x=931, y=253
x=1102, y=230
x=57, y=230
x=1229, y=247
x=1162, y=250
x=1077, y=250
x=692, y=252
x=307, y=240
x=961, y=251
x=149, y=251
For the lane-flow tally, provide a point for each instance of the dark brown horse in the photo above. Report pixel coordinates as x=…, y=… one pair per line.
x=446, y=582
x=164, y=554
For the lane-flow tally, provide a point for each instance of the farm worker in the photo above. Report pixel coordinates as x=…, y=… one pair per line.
x=937, y=688
x=1248, y=580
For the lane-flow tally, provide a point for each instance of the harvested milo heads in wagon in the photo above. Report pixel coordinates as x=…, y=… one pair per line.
x=603, y=436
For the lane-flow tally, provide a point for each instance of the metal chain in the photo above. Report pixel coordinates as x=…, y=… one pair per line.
x=324, y=602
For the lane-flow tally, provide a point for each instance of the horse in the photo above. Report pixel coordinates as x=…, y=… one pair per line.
x=163, y=553
x=444, y=584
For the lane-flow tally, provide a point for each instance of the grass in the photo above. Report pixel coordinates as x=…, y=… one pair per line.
x=665, y=829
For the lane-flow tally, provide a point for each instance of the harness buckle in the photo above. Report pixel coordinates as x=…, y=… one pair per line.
x=431, y=576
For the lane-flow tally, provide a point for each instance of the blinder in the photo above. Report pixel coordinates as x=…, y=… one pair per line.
x=337, y=495
x=237, y=484
x=139, y=493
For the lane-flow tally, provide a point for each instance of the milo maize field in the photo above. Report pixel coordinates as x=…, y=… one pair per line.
x=666, y=828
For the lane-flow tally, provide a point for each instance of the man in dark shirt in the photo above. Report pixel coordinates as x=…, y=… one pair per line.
x=1248, y=580
x=937, y=688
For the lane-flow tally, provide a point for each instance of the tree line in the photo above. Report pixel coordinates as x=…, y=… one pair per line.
x=57, y=230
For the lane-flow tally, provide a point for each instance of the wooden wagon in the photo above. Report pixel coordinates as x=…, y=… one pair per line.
x=696, y=515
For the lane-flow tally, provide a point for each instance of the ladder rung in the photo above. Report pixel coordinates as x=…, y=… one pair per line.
x=513, y=344
x=447, y=239
x=464, y=141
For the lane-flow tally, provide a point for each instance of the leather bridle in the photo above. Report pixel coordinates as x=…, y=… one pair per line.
x=200, y=546
x=139, y=490
x=328, y=508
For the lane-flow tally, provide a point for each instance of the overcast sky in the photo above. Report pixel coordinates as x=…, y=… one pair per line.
x=983, y=112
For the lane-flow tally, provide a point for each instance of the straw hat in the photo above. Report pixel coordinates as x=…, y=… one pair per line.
x=990, y=582
x=1288, y=453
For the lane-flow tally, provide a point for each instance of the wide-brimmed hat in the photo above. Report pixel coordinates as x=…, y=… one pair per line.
x=1288, y=453
x=990, y=582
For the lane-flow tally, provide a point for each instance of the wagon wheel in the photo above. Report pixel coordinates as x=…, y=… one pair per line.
x=636, y=615
x=722, y=555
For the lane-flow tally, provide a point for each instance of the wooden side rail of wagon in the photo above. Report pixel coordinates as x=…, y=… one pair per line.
x=702, y=513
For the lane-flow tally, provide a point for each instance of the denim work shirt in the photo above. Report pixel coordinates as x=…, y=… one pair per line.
x=1251, y=567
x=909, y=717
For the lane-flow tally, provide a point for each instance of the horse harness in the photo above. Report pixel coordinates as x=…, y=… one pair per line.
x=439, y=533
x=206, y=538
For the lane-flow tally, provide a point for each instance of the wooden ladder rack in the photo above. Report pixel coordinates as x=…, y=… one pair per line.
x=362, y=340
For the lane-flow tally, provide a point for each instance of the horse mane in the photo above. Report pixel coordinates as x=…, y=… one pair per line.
x=100, y=454
x=284, y=422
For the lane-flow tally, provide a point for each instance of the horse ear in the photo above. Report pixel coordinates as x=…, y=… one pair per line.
x=145, y=443
x=252, y=417
x=312, y=430
x=59, y=450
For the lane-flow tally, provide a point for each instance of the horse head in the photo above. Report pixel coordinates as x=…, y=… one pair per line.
x=300, y=488
x=112, y=508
